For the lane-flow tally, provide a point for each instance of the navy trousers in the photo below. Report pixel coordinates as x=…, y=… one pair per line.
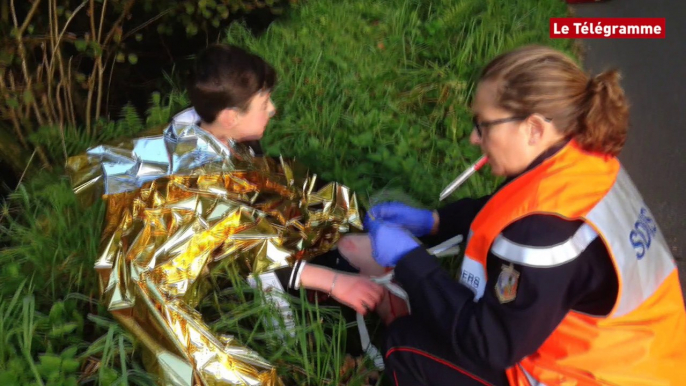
x=415, y=356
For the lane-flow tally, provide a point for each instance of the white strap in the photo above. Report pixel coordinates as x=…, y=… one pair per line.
x=387, y=281
x=371, y=350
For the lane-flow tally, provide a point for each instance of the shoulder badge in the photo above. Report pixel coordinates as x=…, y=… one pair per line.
x=506, y=285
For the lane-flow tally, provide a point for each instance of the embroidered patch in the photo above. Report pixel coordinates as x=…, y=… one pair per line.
x=506, y=285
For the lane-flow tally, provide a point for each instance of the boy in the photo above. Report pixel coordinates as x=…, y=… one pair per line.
x=230, y=90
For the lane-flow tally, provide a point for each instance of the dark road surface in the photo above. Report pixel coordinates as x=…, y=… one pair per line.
x=654, y=78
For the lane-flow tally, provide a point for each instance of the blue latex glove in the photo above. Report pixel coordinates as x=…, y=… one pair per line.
x=390, y=242
x=418, y=221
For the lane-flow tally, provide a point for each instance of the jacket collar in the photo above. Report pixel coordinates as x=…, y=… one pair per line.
x=539, y=160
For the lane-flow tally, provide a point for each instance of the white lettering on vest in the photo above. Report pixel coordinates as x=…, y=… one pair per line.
x=643, y=258
x=473, y=276
x=643, y=233
x=469, y=279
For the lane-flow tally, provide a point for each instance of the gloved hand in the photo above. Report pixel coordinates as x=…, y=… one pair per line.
x=390, y=242
x=418, y=221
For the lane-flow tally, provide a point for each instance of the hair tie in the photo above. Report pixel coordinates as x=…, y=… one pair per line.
x=591, y=82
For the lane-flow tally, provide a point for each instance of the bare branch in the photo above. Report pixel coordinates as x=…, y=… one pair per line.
x=91, y=79
x=22, y=49
x=125, y=12
x=99, y=67
x=13, y=115
x=146, y=23
x=109, y=84
x=50, y=79
x=66, y=24
x=92, y=19
x=89, y=102
x=26, y=168
x=27, y=19
x=70, y=99
x=101, y=71
x=102, y=20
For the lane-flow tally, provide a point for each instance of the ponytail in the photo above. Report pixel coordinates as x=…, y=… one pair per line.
x=603, y=128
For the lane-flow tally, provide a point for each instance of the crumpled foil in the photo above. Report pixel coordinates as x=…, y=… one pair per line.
x=180, y=204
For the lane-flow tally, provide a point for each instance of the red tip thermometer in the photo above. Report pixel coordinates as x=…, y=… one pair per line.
x=463, y=177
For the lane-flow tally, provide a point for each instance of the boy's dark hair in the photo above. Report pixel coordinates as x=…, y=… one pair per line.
x=226, y=76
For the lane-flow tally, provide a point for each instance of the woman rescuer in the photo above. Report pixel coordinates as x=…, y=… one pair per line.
x=566, y=278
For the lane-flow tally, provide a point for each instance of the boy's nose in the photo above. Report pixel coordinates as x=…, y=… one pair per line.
x=271, y=108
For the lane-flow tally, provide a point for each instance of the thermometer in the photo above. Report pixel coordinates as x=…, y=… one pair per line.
x=463, y=177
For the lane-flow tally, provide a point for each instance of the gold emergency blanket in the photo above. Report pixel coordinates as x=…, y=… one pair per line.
x=180, y=204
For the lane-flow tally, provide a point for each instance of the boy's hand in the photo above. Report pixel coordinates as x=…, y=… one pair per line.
x=357, y=292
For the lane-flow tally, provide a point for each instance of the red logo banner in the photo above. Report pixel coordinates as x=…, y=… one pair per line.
x=607, y=28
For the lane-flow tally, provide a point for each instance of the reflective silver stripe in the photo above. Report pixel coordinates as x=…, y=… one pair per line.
x=643, y=258
x=544, y=256
x=530, y=378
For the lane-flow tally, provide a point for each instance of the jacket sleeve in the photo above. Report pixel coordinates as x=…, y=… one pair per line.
x=499, y=334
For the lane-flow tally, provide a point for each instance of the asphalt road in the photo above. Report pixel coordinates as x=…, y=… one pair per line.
x=654, y=78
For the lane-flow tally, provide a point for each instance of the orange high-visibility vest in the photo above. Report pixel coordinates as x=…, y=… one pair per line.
x=643, y=339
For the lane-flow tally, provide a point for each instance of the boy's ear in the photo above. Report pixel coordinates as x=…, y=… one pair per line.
x=228, y=117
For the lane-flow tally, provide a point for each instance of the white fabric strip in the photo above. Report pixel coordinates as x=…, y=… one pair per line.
x=544, y=256
x=301, y=267
x=291, y=279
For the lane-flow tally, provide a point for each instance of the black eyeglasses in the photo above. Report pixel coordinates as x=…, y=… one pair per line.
x=480, y=126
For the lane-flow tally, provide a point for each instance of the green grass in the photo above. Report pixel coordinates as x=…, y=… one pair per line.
x=373, y=94
x=312, y=356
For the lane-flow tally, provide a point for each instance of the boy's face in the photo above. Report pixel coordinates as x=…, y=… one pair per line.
x=249, y=125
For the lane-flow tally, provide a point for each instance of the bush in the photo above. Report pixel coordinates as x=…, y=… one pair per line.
x=58, y=60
